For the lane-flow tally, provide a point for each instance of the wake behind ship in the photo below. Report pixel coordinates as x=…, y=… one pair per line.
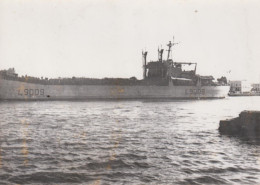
x=162, y=79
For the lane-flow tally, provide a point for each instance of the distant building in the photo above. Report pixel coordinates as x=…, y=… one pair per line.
x=235, y=86
x=9, y=73
x=243, y=87
x=256, y=87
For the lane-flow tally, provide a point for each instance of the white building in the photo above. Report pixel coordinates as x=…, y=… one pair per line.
x=239, y=86
x=235, y=86
x=256, y=87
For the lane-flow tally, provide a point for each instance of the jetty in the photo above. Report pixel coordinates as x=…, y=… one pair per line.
x=247, y=124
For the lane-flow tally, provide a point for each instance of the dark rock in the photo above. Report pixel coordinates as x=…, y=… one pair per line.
x=247, y=124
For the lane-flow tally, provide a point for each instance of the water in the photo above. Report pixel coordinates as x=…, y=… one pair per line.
x=125, y=142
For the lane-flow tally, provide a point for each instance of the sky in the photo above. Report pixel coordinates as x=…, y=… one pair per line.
x=105, y=38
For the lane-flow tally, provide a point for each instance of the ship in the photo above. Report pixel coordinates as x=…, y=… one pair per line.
x=162, y=79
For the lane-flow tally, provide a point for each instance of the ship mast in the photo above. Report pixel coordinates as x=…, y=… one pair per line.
x=169, y=48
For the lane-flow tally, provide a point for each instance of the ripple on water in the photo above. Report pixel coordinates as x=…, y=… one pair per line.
x=126, y=142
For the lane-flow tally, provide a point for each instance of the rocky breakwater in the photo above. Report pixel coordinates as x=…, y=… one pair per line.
x=247, y=124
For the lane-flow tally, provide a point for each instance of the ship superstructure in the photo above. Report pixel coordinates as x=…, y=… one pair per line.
x=169, y=70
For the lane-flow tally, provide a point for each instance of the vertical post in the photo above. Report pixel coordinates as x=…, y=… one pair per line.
x=144, y=64
x=160, y=55
x=169, y=49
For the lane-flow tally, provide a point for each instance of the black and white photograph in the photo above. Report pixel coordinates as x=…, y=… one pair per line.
x=103, y=92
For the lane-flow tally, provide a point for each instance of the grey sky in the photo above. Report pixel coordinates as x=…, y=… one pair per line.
x=105, y=38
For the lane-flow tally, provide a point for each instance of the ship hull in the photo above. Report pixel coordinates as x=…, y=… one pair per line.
x=16, y=90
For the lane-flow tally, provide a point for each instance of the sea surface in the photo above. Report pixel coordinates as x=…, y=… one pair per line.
x=125, y=142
